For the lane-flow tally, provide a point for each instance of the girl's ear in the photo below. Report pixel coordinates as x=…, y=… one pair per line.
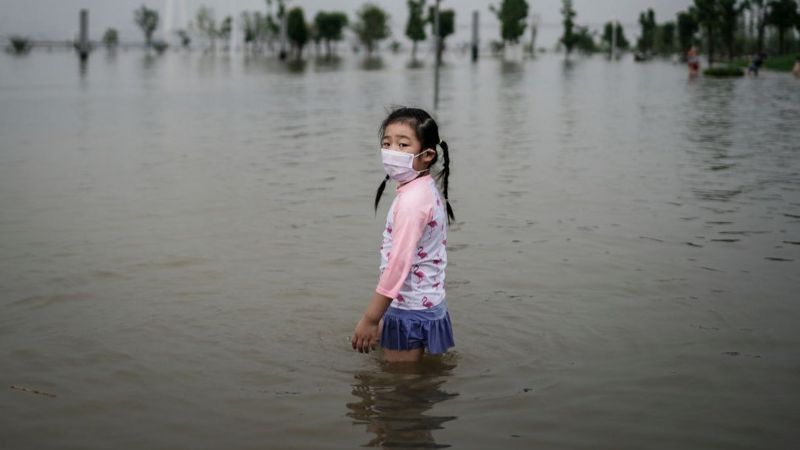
x=429, y=155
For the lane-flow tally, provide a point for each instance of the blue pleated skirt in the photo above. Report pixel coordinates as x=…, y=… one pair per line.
x=405, y=329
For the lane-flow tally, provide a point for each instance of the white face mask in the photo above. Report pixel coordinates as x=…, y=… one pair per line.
x=400, y=165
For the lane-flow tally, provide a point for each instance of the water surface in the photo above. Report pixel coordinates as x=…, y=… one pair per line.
x=187, y=241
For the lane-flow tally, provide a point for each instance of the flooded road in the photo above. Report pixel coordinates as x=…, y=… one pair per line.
x=187, y=241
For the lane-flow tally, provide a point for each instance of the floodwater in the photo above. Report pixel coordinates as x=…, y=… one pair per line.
x=187, y=241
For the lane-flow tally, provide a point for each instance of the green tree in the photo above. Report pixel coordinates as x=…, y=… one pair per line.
x=782, y=15
x=415, y=27
x=19, y=44
x=447, y=26
x=707, y=15
x=183, y=35
x=665, y=38
x=647, y=21
x=584, y=40
x=730, y=12
x=687, y=28
x=111, y=38
x=160, y=46
x=207, y=24
x=271, y=27
x=225, y=28
x=608, y=37
x=252, y=27
x=297, y=30
x=313, y=34
x=447, y=21
x=513, y=15
x=147, y=20
x=568, y=13
x=797, y=24
x=329, y=27
x=758, y=9
x=371, y=26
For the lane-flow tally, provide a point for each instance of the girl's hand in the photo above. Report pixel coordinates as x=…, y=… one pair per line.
x=365, y=336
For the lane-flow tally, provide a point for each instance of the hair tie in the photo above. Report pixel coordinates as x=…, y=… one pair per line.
x=440, y=142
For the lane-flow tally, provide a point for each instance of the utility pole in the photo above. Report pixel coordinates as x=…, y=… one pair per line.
x=234, y=31
x=475, y=44
x=284, y=30
x=534, y=32
x=166, y=24
x=436, y=33
x=83, y=43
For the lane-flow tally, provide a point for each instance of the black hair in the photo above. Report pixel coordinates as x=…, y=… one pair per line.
x=428, y=134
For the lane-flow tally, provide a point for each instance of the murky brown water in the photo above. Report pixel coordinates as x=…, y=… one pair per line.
x=186, y=243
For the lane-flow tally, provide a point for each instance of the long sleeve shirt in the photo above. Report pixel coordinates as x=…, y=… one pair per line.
x=413, y=253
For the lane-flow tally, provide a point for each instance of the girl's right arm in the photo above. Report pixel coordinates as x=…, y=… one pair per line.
x=365, y=336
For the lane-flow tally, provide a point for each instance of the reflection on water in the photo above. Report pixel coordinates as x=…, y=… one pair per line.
x=393, y=403
x=327, y=64
x=372, y=63
x=297, y=66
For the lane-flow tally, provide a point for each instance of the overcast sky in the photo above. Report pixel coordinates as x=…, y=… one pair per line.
x=58, y=19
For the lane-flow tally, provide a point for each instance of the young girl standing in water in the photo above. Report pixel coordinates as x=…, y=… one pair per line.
x=408, y=309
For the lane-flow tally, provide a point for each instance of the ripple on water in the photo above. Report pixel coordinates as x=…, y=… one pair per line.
x=44, y=301
x=170, y=263
x=722, y=195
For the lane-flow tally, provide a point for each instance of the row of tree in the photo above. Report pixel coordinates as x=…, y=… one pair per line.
x=262, y=30
x=737, y=26
x=721, y=21
x=581, y=38
x=265, y=29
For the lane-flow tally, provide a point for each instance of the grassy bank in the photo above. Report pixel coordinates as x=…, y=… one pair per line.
x=781, y=63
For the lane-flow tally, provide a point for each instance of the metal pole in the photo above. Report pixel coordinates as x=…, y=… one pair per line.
x=166, y=26
x=475, y=44
x=534, y=32
x=438, y=58
x=83, y=44
x=234, y=30
x=284, y=29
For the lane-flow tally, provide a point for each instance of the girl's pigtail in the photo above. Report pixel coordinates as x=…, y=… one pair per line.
x=444, y=177
x=380, y=192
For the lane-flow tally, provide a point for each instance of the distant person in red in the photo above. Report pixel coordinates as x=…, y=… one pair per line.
x=693, y=60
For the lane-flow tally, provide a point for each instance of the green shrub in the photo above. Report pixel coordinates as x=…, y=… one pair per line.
x=783, y=63
x=19, y=44
x=159, y=46
x=724, y=71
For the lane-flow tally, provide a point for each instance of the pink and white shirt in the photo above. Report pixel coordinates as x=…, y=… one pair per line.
x=413, y=255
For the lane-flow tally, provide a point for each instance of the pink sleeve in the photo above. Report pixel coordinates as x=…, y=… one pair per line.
x=410, y=217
